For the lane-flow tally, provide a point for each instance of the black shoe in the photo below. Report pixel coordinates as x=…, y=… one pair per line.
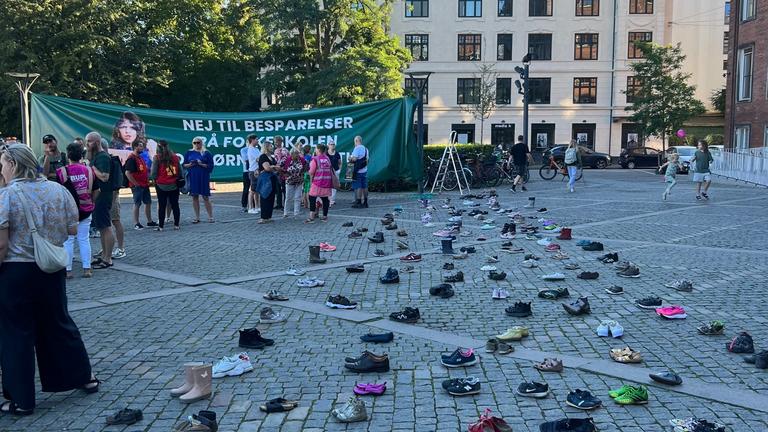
x=525, y=189
x=578, y=307
x=519, y=310
x=761, y=360
x=152, y=224
x=569, y=425
x=667, y=378
x=369, y=362
x=609, y=258
x=583, y=400
x=392, y=226
x=649, y=303
x=614, y=290
x=340, y=302
x=741, y=344
x=468, y=386
x=588, y=275
x=378, y=237
x=379, y=253
x=554, y=294
x=459, y=358
x=443, y=290
x=347, y=224
x=533, y=389
x=356, y=268
x=594, y=246
x=357, y=205
x=355, y=235
x=456, y=277
x=497, y=276
x=392, y=276
x=448, y=266
x=378, y=338
x=365, y=204
x=125, y=416
x=468, y=249
x=408, y=315
x=251, y=339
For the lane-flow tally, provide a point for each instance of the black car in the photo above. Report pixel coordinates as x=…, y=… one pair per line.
x=589, y=157
x=639, y=157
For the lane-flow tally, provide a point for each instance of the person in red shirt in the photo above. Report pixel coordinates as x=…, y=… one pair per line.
x=138, y=179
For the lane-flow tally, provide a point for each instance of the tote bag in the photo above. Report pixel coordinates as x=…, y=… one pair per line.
x=49, y=257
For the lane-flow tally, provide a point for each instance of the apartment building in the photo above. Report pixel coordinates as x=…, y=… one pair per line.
x=747, y=93
x=581, y=48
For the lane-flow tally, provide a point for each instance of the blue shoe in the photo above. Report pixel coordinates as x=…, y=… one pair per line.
x=583, y=242
x=378, y=338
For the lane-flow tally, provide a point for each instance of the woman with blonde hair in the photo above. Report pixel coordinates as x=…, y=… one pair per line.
x=199, y=164
x=572, y=163
x=34, y=320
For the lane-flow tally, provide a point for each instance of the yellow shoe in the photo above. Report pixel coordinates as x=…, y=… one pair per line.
x=514, y=334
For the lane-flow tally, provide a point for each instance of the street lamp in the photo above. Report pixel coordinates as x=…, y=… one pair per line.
x=419, y=80
x=523, y=89
x=24, y=83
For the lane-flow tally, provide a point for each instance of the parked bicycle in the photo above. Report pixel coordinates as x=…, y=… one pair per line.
x=550, y=170
x=485, y=172
x=508, y=170
x=450, y=183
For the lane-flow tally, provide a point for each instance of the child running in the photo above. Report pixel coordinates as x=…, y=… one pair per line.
x=672, y=165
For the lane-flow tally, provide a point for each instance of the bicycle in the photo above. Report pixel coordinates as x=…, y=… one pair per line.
x=450, y=182
x=485, y=172
x=508, y=170
x=550, y=170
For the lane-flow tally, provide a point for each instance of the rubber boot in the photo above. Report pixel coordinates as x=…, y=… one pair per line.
x=314, y=255
x=189, y=379
x=202, y=384
x=447, y=246
x=565, y=234
x=531, y=202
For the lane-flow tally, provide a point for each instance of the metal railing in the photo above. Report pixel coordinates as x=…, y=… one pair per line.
x=749, y=165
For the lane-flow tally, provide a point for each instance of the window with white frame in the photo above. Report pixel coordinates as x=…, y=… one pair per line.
x=747, y=10
x=741, y=137
x=765, y=137
x=744, y=77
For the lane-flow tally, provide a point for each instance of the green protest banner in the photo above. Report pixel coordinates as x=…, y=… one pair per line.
x=385, y=126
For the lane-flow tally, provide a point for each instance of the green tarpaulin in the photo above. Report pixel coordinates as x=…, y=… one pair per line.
x=386, y=128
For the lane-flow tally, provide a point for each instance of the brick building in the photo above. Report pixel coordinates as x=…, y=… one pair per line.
x=747, y=84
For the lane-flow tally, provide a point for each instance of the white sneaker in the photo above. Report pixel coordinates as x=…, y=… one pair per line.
x=254, y=211
x=503, y=294
x=232, y=366
x=454, y=219
x=617, y=330
x=603, y=329
x=294, y=271
x=495, y=294
x=508, y=236
x=529, y=264
x=553, y=277
x=544, y=242
x=118, y=253
x=310, y=282
x=488, y=268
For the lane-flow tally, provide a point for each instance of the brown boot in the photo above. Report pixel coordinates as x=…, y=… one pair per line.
x=202, y=384
x=189, y=379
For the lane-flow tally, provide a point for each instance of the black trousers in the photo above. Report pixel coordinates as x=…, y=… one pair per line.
x=34, y=321
x=246, y=189
x=163, y=199
x=280, y=195
x=267, y=204
x=313, y=204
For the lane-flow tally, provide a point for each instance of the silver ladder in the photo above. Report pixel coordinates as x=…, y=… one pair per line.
x=450, y=165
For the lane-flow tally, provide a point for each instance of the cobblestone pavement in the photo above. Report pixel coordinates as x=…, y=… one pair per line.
x=182, y=296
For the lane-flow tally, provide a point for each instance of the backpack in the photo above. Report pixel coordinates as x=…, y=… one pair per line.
x=741, y=344
x=570, y=155
x=117, y=176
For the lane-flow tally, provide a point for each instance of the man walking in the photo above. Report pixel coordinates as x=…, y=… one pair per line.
x=359, y=158
x=521, y=156
x=101, y=164
x=52, y=159
x=701, y=174
x=138, y=179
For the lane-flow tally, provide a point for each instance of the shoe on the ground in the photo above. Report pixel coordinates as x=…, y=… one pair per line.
x=355, y=235
x=578, y=307
x=378, y=338
x=588, y=275
x=560, y=256
x=351, y=411
x=468, y=386
x=497, y=276
x=269, y=316
x=582, y=400
x=402, y=233
x=392, y=226
x=125, y=416
x=529, y=264
x=651, y=302
x=492, y=259
x=610, y=328
x=488, y=268
x=761, y=360
x=671, y=312
x=552, y=247
x=630, y=272
x=625, y=355
x=713, y=328
x=448, y=266
x=274, y=295
x=741, y=344
x=681, y=285
x=118, y=253
x=408, y=315
x=553, y=276
x=492, y=345
x=411, y=257
x=516, y=333
x=340, y=302
x=347, y=224
x=390, y=277
x=459, y=358
x=408, y=269
x=609, y=258
x=505, y=348
x=583, y=242
x=293, y=271
x=232, y=366
x=251, y=339
x=569, y=425
x=138, y=226
x=456, y=277
x=593, y=246
x=633, y=396
x=369, y=362
x=310, y=282
x=401, y=245
x=377, y=237
x=379, y=253
x=668, y=378
x=623, y=265
x=602, y=329
x=462, y=255
x=519, y=310
x=614, y=290
x=554, y=294
x=549, y=365
x=370, y=389
x=468, y=249
x=533, y=389
x=572, y=266
x=443, y=291
x=355, y=268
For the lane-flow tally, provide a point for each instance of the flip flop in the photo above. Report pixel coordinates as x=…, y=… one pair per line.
x=101, y=265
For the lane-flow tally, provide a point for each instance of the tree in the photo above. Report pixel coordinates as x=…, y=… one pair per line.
x=664, y=101
x=485, y=102
x=717, y=99
x=330, y=52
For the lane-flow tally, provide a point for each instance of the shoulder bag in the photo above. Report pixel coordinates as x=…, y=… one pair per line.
x=49, y=257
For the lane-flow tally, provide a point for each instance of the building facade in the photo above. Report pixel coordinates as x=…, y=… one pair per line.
x=580, y=73
x=747, y=92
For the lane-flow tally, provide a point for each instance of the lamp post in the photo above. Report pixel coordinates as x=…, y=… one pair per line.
x=24, y=83
x=420, y=80
x=524, y=89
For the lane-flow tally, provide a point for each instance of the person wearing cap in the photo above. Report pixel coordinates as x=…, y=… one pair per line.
x=52, y=159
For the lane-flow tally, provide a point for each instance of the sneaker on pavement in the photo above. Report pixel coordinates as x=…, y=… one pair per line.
x=519, y=310
x=468, y=386
x=572, y=266
x=681, y=285
x=310, y=282
x=533, y=389
x=292, y=271
x=578, y=307
x=408, y=315
x=232, y=366
x=390, y=277
x=268, y=316
x=459, y=358
x=516, y=333
x=119, y=253
x=712, y=328
x=631, y=272
x=529, y=264
x=553, y=277
x=554, y=294
x=497, y=276
x=588, y=275
x=614, y=290
x=456, y=277
x=138, y=226
x=340, y=302
x=633, y=396
x=652, y=302
x=582, y=400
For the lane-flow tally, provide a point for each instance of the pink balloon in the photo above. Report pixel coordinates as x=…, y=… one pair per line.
x=681, y=133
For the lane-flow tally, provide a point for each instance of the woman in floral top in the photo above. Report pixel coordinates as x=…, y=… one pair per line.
x=294, y=169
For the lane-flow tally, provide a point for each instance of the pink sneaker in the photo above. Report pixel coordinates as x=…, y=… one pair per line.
x=370, y=389
x=327, y=247
x=671, y=312
x=552, y=247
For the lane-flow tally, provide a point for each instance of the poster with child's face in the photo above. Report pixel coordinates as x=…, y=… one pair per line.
x=541, y=140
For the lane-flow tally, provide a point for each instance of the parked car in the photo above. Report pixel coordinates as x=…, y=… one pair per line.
x=685, y=155
x=589, y=157
x=639, y=157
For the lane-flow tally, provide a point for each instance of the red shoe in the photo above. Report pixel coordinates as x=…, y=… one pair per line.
x=327, y=247
x=565, y=234
x=411, y=257
x=552, y=247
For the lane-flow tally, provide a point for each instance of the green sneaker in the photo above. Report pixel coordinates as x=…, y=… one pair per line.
x=633, y=396
x=616, y=393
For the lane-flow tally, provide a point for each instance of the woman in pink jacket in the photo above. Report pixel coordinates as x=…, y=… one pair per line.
x=321, y=179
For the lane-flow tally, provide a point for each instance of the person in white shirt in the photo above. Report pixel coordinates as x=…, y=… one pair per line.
x=246, y=177
x=359, y=158
x=253, y=173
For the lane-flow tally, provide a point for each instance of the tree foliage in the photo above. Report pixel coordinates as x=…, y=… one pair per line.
x=717, y=99
x=665, y=100
x=485, y=102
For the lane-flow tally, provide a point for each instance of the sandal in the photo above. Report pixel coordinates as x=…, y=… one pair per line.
x=309, y=221
x=100, y=265
x=550, y=365
x=195, y=221
x=87, y=273
x=10, y=407
x=278, y=405
x=275, y=296
x=625, y=355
